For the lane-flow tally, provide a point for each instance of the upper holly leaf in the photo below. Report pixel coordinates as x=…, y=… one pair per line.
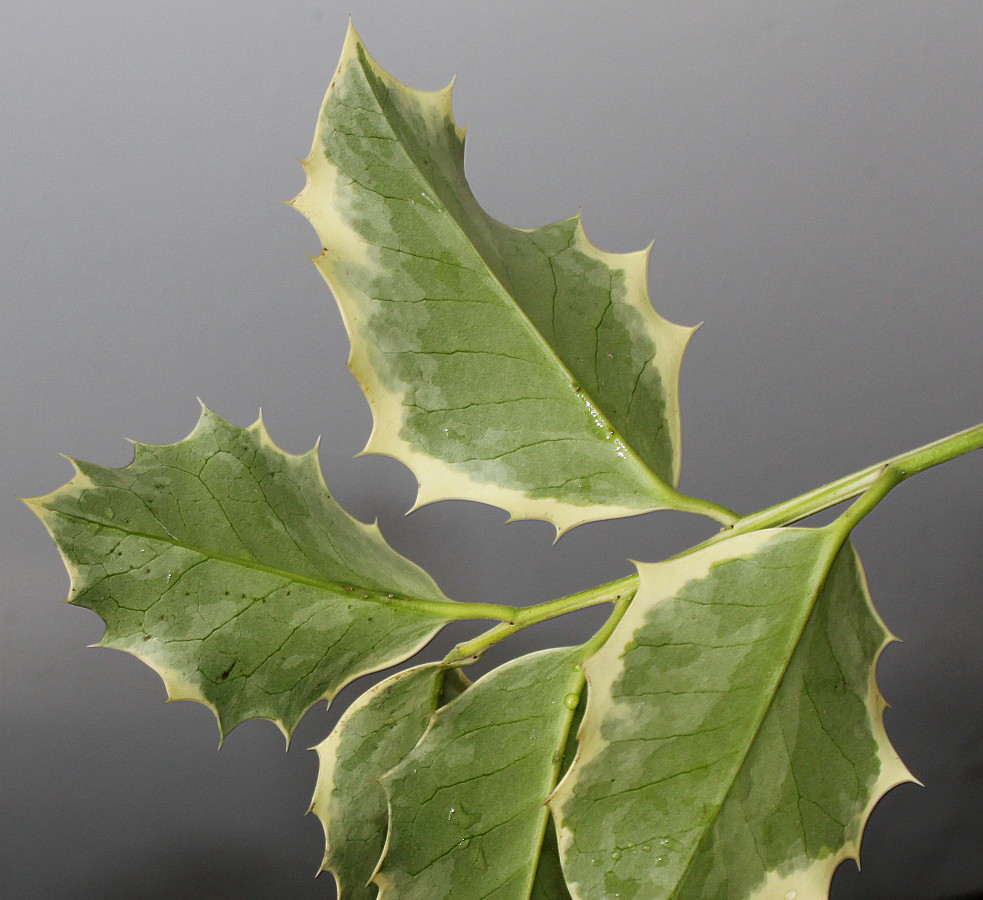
x=224, y=564
x=521, y=368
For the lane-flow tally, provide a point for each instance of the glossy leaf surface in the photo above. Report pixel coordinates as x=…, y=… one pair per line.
x=225, y=565
x=732, y=745
x=521, y=368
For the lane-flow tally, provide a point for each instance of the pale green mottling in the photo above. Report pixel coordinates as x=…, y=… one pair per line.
x=467, y=806
x=225, y=564
x=376, y=732
x=521, y=368
x=732, y=729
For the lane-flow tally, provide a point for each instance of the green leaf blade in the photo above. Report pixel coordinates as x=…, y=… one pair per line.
x=467, y=806
x=225, y=565
x=732, y=745
x=525, y=369
x=549, y=883
x=375, y=733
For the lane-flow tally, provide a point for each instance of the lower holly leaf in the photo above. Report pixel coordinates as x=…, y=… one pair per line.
x=225, y=564
x=732, y=745
x=376, y=733
x=467, y=809
x=549, y=883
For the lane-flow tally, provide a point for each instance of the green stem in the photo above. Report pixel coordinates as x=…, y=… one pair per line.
x=828, y=495
x=604, y=632
x=469, y=651
x=873, y=483
x=889, y=477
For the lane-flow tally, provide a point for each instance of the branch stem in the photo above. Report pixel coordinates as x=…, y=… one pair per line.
x=873, y=483
x=470, y=651
x=846, y=488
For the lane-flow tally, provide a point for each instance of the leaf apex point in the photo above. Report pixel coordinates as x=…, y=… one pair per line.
x=352, y=41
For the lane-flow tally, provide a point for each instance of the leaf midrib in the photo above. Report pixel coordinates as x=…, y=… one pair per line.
x=341, y=589
x=820, y=582
x=537, y=335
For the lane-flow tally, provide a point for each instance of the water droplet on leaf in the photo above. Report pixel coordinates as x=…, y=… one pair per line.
x=571, y=701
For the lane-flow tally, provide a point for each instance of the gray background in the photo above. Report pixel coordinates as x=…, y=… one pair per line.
x=810, y=174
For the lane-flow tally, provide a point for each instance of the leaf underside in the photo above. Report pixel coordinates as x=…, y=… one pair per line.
x=467, y=806
x=521, y=368
x=376, y=733
x=732, y=745
x=225, y=565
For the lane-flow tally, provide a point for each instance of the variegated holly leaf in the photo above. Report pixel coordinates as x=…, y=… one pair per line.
x=732, y=745
x=521, y=368
x=468, y=816
x=376, y=733
x=225, y=565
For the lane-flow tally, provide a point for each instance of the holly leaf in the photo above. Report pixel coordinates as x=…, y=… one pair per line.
x=732, y=744
x=467, y=806
x=226, y=566
x=549, y=883
x=521, y=368
x=376, y=733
